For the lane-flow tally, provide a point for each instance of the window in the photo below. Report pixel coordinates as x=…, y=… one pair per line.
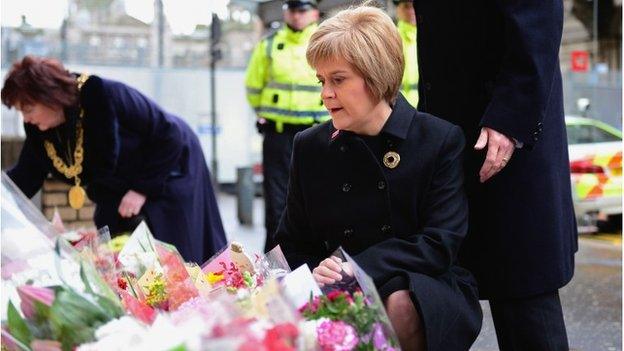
x=585, y=133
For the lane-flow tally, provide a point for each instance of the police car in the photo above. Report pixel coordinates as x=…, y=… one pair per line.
x=595, y=150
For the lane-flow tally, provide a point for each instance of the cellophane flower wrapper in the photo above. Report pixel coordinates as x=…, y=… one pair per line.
x=154, y=275
x=94, y=246
x=178, y=284
x=53, y=297
x=139, y=252
x=62, y=316
x=377, y=331
x=232, y=269
x=29, y=248
x=273, y=264
x=127, y=333
x=272, y=325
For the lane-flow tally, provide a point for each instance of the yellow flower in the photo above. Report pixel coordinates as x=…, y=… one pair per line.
x=214, y=278
x=116, y=244
x=156, y=291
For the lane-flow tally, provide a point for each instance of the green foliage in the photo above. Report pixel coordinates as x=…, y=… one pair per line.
x=342, y=306
x=181, y=347
x=74, y=319
x=18, y=326
x=103, y=294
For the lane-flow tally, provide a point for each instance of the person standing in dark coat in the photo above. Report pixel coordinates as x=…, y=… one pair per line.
x=132, y=157
x=492, y=67
x=384, y=182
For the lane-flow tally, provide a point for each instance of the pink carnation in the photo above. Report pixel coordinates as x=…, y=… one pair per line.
x=336, y=336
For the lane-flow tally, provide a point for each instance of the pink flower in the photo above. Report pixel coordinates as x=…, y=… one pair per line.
x=380, y=342
x=29, y=294
x=336, y=336
x=138, y=309
x=178, y=283
x=45, y=345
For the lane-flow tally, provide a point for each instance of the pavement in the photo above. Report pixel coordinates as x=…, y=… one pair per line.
x=592, y=301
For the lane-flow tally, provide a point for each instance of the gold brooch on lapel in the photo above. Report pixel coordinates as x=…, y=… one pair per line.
x=391, y=159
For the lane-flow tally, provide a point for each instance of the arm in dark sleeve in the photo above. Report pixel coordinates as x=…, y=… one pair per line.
x=102, y=123
x=523, y=87
x=444, y=214
x=29, y=172
x=162, y=138
x=294, y=234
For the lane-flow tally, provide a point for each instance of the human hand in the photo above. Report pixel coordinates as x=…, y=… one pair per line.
x=131, y=204
x=499, y=152
x=328, y=271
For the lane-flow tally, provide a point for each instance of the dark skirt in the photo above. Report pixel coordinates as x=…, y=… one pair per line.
x=447, y=304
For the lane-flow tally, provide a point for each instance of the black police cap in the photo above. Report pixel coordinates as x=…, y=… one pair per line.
x=300, y=4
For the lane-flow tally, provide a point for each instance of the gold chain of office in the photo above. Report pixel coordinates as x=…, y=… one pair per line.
x=76, y=194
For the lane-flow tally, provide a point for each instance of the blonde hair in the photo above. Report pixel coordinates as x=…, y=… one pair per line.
x=368, y=40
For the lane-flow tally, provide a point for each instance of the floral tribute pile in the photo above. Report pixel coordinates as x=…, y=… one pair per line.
x=86, y=291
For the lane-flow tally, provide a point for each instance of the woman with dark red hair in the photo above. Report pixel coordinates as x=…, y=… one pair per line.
x=132, y=158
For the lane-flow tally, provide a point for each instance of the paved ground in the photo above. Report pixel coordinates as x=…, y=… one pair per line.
x=592, y=302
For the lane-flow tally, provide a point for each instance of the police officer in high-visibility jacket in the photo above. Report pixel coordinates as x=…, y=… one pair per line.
x=285, y=93
x=407, y=29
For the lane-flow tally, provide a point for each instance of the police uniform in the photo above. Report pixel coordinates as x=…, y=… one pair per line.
x=285, y=93
x=409, y=84
x=401, y=219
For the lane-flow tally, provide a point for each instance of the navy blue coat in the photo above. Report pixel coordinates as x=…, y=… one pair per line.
x=130, y=143
x=405, y=223
x=495, y=63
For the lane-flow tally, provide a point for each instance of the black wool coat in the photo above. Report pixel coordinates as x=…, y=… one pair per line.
x=405, y=222
x=488, y=63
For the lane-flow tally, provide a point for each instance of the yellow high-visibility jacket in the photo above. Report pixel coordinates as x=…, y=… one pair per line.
x=409, y=84
x=281, y=86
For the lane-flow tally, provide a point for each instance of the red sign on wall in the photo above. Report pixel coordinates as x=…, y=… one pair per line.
x=580, y=61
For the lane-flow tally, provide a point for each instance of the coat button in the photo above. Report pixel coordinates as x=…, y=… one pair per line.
x=343, y=148
x=381, y=185
x=386, y=229
x=535, y=138
x=346, y=187
x=428, y=86
x=539, y=124
x=347, y=233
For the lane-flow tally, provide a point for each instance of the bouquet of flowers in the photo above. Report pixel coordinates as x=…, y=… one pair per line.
x=350, y=316
x=153, y=276
x=61, y=316
x=235, y=271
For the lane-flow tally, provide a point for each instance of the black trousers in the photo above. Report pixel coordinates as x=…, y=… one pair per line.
x=276, y=154
x=534, y=323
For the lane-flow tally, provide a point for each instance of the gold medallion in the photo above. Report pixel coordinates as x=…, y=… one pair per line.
x=76, y=196
x=391, y=159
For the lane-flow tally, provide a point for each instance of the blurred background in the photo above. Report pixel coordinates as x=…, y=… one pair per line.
x=177, y=51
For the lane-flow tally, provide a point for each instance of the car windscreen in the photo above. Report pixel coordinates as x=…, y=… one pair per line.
x=586, y=133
